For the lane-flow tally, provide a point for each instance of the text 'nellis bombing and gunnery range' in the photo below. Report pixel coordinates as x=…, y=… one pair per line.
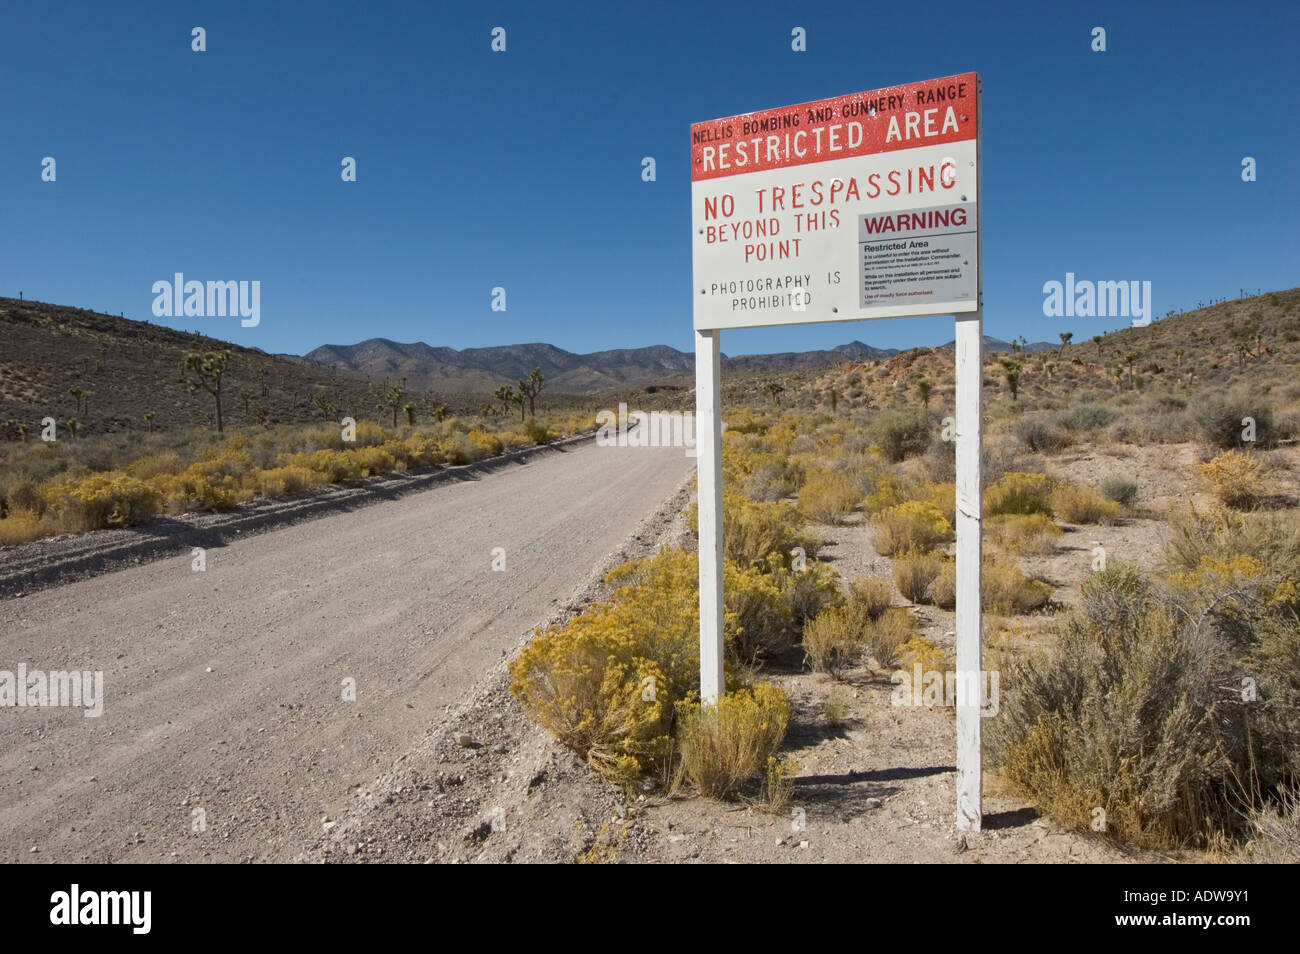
x=859, y=206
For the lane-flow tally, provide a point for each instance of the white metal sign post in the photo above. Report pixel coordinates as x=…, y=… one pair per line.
x=855, y=207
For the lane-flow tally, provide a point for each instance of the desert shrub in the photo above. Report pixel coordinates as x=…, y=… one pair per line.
x=19, y=492
x=19, y=526
x=1082, y=505
x=587, y=681
x=914, y=571
x=919, y=651
x=765, y=623
x=827, y=496
x=912, y=525
x=807, y=592
x=538, y=433
x=452, y=451
x=276, y=481
x=1275, y=830
x=166, y=462
x=1153, y=423
x=887, y=490
x=1019, y=493
x=1085, y=417
x=1129, y=714
x=1031, y=533
x=194, y=490
x=900, y=433
x=483, y=444
x=1221, y=423
x=884, y=637
x=1005, y=590
x=943, y=591
x=772, y=480
x=835, y=709
x=1120, y=489
x=420, y=451
x=942, y=496
x=831, y=639
x=868, y=598
x=100, y=500
x=778, y=784
x=753, y=531
x=1237, y=479
x=940, y=461
x=724, y=745
x=1272, y=539
x=375, y=460
x=335, y=467
x=1037, y=434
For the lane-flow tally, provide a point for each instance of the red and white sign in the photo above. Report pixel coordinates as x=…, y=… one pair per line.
x=860, y=206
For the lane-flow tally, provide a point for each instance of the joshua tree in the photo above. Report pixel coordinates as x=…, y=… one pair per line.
x=774, y=389
x=835, y=401
x=1117, y=372
x=506, y=395
x=393, y=399
x=522, y=396
x=1096, y=339
x=535, y=385
x=1011, y=369
x=148, y=419
x=79, y=395
x=1066, y=337
x=1129, y=359
x=924, y=388
x=71, y=424
x=440, y=413
x=409, y=408
x=208, y=368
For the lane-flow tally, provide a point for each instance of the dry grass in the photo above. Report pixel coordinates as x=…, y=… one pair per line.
x=915, y=571
x=725, y=745
x=1237, y=478
x=828, y=496
x=912, y=525
x=1029, y=534
x=1083, y=505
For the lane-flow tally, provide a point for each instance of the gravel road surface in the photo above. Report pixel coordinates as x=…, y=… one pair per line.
x=224, y=690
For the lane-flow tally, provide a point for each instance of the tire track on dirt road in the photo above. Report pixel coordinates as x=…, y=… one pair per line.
x=223, y=688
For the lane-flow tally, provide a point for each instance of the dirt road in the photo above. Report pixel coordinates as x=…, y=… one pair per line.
x=224, y=689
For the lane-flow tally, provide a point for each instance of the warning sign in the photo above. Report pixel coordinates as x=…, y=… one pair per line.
x=920, y=255
x=860, y=206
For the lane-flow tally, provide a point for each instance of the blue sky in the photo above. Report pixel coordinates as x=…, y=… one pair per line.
x=523, y=170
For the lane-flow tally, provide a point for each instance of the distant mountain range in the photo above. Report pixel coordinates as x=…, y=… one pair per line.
x=482, y=370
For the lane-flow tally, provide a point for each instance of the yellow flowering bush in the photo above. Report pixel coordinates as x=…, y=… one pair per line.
x=1019, y=493
x=1237, y=479
x=912, y=525
x=725, y=745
